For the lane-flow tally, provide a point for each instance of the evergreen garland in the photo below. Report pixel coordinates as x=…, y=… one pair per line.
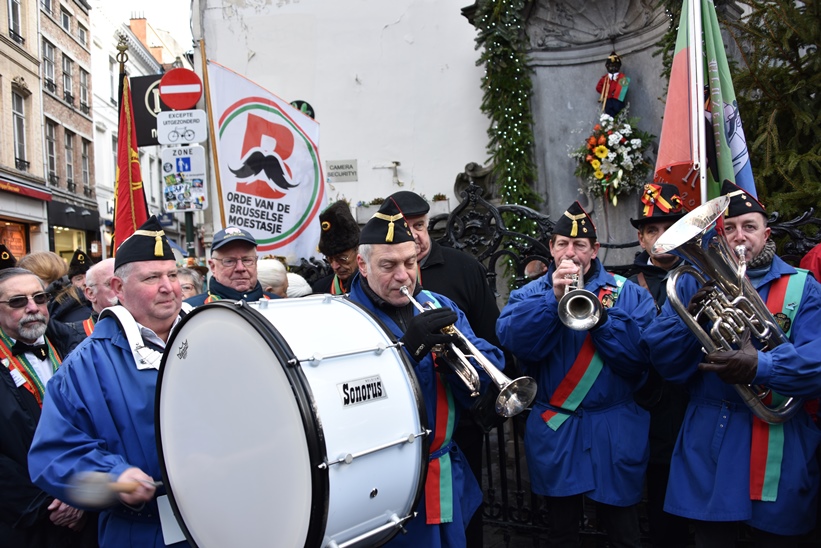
x=507, y=90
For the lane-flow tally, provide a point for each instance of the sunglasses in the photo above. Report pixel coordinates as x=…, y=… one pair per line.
x=21, y=301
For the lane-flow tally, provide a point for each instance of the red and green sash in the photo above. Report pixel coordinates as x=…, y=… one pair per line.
x=336, y=286
x=439, y=481
x=767, y=445
x=20, y=364
x=583, y=373
x=88, y=326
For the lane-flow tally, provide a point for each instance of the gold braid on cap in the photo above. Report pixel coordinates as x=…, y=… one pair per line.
x=574, y=230
x=391, y=219
x=157, y=235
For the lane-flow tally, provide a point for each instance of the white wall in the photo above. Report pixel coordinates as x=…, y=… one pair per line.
x=390, y=80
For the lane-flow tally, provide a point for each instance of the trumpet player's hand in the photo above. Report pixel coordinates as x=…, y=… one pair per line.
x=563, y=277
x=425, y=331
x=734, y=366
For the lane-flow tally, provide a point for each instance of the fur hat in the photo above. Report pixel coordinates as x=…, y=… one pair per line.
x=340, y=231
x=80, y=263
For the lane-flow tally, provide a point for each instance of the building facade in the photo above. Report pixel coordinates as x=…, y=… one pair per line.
x=24, y=196
x=65, y=60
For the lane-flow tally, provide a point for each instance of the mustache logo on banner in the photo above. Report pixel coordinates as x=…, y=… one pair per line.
x=271, y=165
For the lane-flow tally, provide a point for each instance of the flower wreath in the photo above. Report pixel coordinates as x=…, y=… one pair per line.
x=611, y=161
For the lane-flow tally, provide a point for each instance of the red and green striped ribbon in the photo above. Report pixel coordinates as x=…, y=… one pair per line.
x=575, y=385
x=767, y=444
x=439, y=482
x=20, y=363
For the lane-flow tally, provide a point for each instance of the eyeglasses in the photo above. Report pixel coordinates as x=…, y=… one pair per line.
x=187, y=287
x=231, y=262
x=340, y=259
x=21, y=301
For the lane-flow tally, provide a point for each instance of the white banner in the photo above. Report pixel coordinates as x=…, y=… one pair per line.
x=270, y=171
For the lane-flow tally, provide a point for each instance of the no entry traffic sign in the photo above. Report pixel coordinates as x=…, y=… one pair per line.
x=180, y=88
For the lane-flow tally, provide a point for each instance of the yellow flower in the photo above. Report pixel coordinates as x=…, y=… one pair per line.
x=601, y=151
x=595, y=164
x=598, y=174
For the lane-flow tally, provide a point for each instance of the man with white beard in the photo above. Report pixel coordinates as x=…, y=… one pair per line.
x=29, y=359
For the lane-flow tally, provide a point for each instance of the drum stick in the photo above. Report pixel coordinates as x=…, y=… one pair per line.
x=96, y=490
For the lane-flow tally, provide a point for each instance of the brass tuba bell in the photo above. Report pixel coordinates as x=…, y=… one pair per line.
x=734, y=306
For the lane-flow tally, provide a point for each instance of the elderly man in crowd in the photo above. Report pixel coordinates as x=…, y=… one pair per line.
x=585, y=435
x=729, y=467
x=98, y=414
x=387, y=262
x=233, y=266
x=98, y=292
x=338, y=241
x=29, y=517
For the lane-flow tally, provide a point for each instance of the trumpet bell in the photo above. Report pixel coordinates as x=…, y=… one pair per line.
x=579, y=309
x=516, y=396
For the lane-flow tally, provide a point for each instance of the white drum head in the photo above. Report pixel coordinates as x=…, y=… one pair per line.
x=228, y=425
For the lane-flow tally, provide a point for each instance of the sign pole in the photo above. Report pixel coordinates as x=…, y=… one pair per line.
x=213, y=142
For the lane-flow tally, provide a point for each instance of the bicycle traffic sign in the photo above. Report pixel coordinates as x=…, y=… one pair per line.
x=177, y=127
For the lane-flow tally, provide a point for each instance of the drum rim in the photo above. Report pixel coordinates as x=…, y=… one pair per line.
x=417, y=394
x=320, y=480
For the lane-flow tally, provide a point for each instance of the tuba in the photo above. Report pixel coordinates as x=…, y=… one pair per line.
x=734, y=305
x=514, y=395
x=579, y=309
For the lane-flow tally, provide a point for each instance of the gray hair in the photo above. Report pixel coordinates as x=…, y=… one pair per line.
x=9, y=273
x=196, y=277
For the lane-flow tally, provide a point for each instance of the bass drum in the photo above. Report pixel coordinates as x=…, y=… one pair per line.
x=290, y=422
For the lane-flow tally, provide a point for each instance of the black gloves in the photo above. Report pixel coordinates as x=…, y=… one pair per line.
x=734, y=366
x=425, y=331
x=697, y=301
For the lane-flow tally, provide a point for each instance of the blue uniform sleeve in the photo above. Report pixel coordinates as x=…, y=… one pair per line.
x=65, y=440
x=668, y=343
x=527, y=324
x=618, y=339
x=794, y=368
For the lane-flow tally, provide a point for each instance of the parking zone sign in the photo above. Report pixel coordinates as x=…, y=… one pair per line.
x=183, y=175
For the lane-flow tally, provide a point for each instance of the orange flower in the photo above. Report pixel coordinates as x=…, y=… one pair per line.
x=602, y=140
x=597, y=127
x=592, y=141
x=588, y=158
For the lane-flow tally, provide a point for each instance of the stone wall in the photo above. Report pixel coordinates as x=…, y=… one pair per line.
x=570, y=40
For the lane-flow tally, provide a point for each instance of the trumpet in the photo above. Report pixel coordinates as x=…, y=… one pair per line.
x=579, y=309
x=514, y=395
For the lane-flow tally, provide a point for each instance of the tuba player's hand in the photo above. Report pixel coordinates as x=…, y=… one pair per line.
x=734, y=366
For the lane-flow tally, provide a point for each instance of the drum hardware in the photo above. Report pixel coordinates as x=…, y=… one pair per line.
x=734, y=305
x=378, y=350
x=395, y=523
x=579, y=309
x=514, y=395
x=349, y=458
x=96, y=490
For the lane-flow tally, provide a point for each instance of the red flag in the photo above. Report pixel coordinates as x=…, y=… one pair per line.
x=130, y=207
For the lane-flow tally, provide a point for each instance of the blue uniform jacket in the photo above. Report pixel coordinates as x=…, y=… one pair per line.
x=98, y=415
x=466, y=491
x=710, y=471
x=602, y=449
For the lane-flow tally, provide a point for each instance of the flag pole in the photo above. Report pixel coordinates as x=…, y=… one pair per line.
x=212, y=137
x=698, y=137
x=122, y=57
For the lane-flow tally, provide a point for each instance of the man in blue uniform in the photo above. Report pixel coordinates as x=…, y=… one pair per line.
x=233, y=265
x=585, y=435
x=728, y=466
x=98, y=413
x=387, y=262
